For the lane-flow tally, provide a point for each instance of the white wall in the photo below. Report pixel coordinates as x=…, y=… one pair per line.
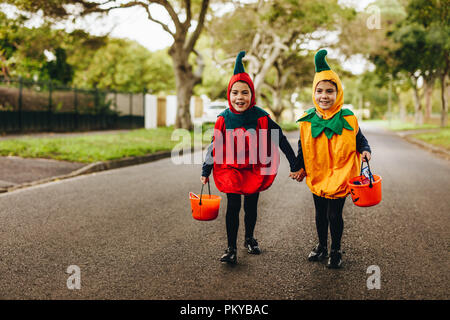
x=171, y=110
x=123, y=103
x=150, y=111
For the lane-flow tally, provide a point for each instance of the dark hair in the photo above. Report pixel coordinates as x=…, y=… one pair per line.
x=330, y=81
x=242, y=82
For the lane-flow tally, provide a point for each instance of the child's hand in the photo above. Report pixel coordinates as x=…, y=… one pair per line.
x=364, y=155
x=204, y=180
x=298, y=175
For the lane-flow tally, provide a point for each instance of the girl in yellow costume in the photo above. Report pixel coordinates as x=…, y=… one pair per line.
x=330, y=145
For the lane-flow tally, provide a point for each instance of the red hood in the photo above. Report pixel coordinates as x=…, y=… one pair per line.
x=241, y=77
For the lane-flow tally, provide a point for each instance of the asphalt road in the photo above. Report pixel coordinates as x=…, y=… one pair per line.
x=131, y=233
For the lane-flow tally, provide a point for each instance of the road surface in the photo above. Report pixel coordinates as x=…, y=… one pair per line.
x=131, y=234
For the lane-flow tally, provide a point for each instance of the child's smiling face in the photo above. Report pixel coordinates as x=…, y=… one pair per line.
x=240, y=96
x=325, y=94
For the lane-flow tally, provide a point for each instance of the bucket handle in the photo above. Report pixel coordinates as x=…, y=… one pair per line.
x=370, y=172
x=201, y=192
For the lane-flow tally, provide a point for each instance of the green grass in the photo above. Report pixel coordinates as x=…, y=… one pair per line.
x=101, y=147
x=437, y=136
x=397, y=125
x=440, y=138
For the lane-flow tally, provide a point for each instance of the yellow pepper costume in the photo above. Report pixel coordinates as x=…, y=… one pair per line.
x=328, y=140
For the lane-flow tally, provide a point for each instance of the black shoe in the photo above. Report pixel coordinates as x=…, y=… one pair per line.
x=252, y=246
x=229, y=256
x=318, y=253
x=335, y=261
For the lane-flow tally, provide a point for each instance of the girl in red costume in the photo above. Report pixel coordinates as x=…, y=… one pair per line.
x=244, y=157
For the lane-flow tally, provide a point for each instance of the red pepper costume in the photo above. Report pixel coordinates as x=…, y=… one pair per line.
x=245, y=159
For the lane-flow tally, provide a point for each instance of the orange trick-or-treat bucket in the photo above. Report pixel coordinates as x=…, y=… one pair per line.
x=365, y=189
x=205, y=207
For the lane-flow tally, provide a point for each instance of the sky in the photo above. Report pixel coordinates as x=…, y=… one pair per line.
x=132, y=23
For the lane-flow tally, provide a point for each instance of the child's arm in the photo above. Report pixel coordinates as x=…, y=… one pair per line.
x=362, y=146
x=285, y=146
x=299, y=176
x=208, y=164
x=300, y=159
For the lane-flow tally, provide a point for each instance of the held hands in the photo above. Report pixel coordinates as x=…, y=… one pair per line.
x=204, y=180
x=365, y=154
x=298, y=175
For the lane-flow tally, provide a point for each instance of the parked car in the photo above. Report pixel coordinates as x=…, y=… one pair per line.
x=212, y=110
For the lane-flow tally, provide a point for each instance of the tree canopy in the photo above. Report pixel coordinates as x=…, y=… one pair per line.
x=406, y=40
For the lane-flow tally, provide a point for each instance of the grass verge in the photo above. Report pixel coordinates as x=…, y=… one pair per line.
x=101, y=147
x=440, y=138
x=397, y=125
x=437, y=135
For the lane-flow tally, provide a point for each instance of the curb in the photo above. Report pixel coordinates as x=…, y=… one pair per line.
x=431, y=148
x=100, y=166
x=407, y=135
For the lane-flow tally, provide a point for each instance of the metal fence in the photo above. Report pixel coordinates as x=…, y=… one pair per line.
x=33, y=106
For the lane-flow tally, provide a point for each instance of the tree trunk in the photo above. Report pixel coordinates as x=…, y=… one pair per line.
x=293, y=115
x=402, y=108
x=277, y=107
x=183, y=76
x=182, y=47
x=418, y=116
x=444, y=109
x=428, y=95
x=185, y=80
x=184, y=94
x=5, y=71
x=264, y=60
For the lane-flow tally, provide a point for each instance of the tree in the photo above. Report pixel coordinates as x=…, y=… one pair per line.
x=420, y=50
x=271, y=32
x=9, y=34
x=59, y=70
x=408, y=57
x=360, y=36
x=433, y=16
x=283, y=27
x=184, y=15
x=22, y=48
x=292, y=71
x=111, y=68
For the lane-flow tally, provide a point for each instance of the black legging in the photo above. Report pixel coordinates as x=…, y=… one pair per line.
x=329, y=210
x=232, y=218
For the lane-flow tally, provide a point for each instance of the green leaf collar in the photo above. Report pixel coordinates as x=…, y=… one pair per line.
x=331, y=126
x=247, y=119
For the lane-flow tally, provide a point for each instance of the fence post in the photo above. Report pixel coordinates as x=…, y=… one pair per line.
x=131, y=110
x=144, y=92
x=20, y=104
x=49, y=119
x=116, y=117
x=75, y=107
x=96, y=102
x=115, y=100
x=96, y=113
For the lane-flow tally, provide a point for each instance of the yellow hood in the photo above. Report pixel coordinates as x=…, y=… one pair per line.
x=332, y=76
